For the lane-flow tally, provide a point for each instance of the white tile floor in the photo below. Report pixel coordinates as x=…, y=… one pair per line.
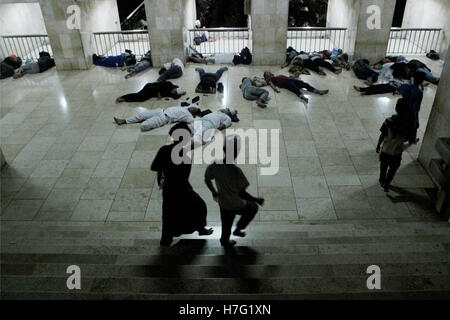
x=69, y=161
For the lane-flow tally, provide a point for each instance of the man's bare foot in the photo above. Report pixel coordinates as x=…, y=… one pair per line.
x=425, y=84
x=304, y=99
x=132, y=74
x=261, y=104
x=119, y=100
x=120, y=121
x=123, y=68
x=338, y=71
x=357, y=88
x=322, y=92
x=239, y=233
x=369, y=82
x=322, y=73
x=205, y=232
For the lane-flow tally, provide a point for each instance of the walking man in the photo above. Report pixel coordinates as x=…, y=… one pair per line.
x=231, y=193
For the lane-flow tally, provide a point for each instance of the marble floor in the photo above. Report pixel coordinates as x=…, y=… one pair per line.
x=68, y=160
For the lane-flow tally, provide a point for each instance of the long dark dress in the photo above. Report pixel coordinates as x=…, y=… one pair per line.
x=151, y=90
x=184, y=211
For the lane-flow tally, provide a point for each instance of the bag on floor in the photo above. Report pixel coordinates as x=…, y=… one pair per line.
x=246, y=56
x=433, y=55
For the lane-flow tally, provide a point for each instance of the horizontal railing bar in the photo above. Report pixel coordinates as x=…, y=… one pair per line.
x=416, y=29
x=122, y=32
x=313, y=28
x=26, y=36
x=220, y=29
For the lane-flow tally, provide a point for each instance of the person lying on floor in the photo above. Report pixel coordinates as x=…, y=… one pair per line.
x=291, y=83
x=9, y=65
x=363, y=71
x=44, y=63
x=202, y=128
x=208, y=81
x=145, y=63
x=152, y=119
x=124, y=59
x=165, y=89
x=171, y=70
x=251, y=92
x=418, y=66
x=218, y=58
x=315, y=62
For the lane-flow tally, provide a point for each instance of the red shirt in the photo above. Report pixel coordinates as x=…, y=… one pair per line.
x=279, y=80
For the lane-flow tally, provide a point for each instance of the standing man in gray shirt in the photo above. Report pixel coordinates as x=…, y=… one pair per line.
x=231, y=193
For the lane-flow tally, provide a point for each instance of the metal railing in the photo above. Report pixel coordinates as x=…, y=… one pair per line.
x=413, y=40
x=220, y=40
x=113, y=43
x=311, y=39
x=26, y=46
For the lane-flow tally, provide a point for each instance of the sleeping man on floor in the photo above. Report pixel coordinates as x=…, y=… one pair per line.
x=152, y=119
x=204, y=128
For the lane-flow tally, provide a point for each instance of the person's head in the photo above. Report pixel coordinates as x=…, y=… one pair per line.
x=197, y=24
x=231, y=112
x=231, y=148
x=419, y=77
x=180, y=131
x=194, y=110
x=268, y=74
x=243, y=79
x=177, y=93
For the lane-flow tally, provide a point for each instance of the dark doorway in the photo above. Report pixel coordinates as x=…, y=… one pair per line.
x=135, y=21
x=399, y=11
x=308, y=13
x=219, y=13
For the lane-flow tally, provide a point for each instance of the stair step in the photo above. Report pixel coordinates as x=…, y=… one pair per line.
x=332, y=284
x=198, y=271
x=241, y=242
x=197, y=248
x=238, y=259
x=372, y=295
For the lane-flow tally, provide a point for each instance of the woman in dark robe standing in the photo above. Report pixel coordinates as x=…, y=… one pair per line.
x=184, y=211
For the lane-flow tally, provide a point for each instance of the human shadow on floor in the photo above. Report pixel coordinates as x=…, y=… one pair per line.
x=422, y=203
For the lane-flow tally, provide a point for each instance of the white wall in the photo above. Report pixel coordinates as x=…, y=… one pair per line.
x=21, y=18
x=429, y=14
x=102, y=15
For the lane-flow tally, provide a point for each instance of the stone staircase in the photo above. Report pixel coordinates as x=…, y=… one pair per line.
x=326, y=260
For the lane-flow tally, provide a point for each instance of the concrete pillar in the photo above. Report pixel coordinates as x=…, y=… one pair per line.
x=67, y=44
x=165, y=27
x=439, y=122
x=344, y=14
x=73, y=47
x=269, y=22
x=371, y=44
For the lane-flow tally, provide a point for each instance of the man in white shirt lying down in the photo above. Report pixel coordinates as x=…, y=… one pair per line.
x=152, y=119
x=219, y=120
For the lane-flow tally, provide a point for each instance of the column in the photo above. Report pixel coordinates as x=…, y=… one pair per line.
x=371, y=43
x=67, y=44
x=439, y=121
x=269, y=22
x=165, y=28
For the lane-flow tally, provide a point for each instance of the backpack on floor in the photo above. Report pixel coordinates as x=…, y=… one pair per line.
x=433, y=55
x=246, y=56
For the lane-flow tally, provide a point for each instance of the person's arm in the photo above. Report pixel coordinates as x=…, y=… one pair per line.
x=211, y=187
x=273, y=87
x=221, y=127
x=380, y=140
x=244, y=195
